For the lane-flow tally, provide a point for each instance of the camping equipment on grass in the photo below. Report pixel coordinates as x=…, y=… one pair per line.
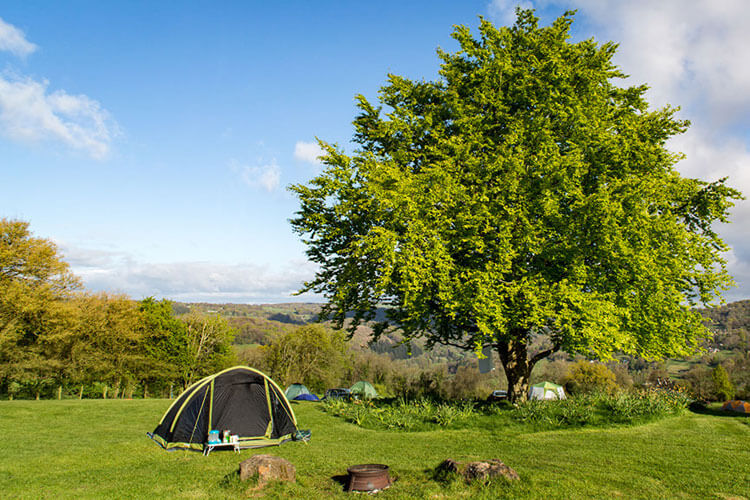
x=737, y=405
x=241, y=399
x=307, y=397
x=338, y=393
x=363, y=390
x=295, y=390
x=546, y=390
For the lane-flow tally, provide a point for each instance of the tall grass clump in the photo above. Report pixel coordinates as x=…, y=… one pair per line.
x=601, y=408
x=402, y=413
x=646, y=404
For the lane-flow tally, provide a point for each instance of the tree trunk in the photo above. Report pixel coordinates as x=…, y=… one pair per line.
x=518, y=365
x=104, y=392
x=517, y=370
x=80, y=393
x=59, y=392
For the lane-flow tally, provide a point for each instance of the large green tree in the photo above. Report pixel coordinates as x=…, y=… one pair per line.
x=523, y=192
x=35, y=284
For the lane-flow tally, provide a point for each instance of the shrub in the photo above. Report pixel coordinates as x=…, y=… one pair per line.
x=587, y=377
x=723, y=388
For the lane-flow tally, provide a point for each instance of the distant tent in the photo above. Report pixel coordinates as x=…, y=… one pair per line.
x=546, y=390
x=242, y=400
x=363, y=390
x=295, y=390
x=737, y=405
x=307, y=397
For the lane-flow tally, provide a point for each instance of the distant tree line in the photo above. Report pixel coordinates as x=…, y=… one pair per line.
x=58, y=340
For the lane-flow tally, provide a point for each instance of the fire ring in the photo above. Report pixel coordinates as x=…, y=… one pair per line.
x=368, y=477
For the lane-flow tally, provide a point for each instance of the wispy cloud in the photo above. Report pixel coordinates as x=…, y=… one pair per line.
x=14, y=41
x=188, y=281
x=30, y=113
x=308, y=152
x=266, y=176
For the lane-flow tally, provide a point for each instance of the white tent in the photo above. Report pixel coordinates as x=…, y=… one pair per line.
x=546, y=390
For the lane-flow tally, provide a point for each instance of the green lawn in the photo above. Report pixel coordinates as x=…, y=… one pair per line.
x=99, y=449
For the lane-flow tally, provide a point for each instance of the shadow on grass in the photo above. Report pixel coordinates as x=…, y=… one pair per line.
x=701, y=408
x=342, y=479
x=230, y=480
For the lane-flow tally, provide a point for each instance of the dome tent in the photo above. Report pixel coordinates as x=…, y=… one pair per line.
x=546, y=390
x=736, y=405
x=364, y=390
x=240, y=399
x=295, y=390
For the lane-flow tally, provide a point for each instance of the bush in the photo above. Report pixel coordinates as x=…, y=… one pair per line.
x=587, y=377
x=723, y=388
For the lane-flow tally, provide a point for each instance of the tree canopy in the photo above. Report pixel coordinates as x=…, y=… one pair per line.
x=522, y=192
x=51, y=333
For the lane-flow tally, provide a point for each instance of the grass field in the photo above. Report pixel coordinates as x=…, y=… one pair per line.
x=99, y=449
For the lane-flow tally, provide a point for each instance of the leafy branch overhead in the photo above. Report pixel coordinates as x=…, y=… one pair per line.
x=522, y=191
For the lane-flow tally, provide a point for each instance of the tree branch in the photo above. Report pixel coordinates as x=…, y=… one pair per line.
x=542, y=354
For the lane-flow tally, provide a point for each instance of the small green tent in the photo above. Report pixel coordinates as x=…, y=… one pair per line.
x=363, y=390
x=295, y=390
x=546, y=390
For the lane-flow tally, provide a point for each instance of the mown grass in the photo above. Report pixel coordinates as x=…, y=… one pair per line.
x=98, y=449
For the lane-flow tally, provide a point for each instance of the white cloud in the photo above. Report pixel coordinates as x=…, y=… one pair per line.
x=267, y=177
x=13, y=40
x=29, y=113
x=690, y=53
x=308, y=152
x=189, y=281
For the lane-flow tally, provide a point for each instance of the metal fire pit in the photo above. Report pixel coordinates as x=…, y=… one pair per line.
x=368, y=477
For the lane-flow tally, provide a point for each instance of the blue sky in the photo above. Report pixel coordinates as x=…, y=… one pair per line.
x=153, y=141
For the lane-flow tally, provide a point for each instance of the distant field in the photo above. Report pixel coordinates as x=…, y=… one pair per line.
x=98, y=449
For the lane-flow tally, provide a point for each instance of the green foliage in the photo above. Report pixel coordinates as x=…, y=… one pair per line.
x=559, y=413
x=312, y=355
x=165, y=335
x=590, y=409
x=208, y=347
x=34, y=285
x=723, y=387
x=521, y=191
x=403, y=414
x=585, y=376
x=646, y=404
x=602, y=408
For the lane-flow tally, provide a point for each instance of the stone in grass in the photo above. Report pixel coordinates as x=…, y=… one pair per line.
x=267, y=468
x=477, y=471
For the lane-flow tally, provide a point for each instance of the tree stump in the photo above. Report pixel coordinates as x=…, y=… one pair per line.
x=267, y=468
x=477, y=471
